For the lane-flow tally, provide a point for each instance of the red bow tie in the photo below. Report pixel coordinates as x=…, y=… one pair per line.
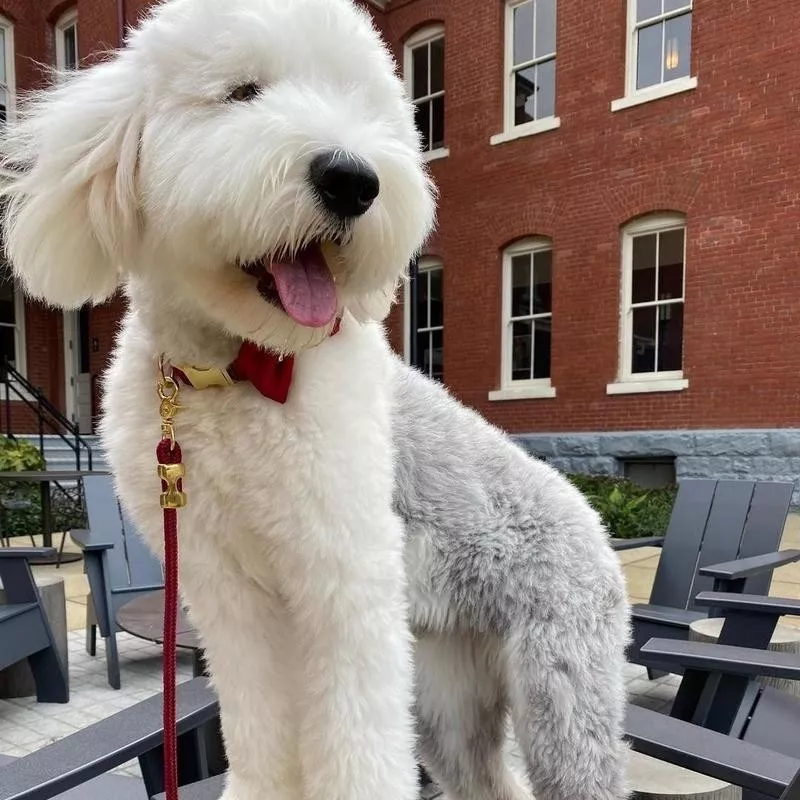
x=269, y=373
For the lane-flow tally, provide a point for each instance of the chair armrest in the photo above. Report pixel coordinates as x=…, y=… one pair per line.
x=745, y=661
x=26, y=552
x=85, y=542
x=708, y=752
x=745, y=567
x=634, y=544
x=755, y=603
x=101, y=747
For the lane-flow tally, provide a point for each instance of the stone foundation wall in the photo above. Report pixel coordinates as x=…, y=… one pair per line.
x=772, y=454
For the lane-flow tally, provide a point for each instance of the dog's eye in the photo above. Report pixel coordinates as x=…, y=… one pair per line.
x=244, y=93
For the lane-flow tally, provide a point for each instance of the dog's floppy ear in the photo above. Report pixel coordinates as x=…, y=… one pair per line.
x=69, y=164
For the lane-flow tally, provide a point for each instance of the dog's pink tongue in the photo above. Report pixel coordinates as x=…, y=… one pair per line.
x=306, y=287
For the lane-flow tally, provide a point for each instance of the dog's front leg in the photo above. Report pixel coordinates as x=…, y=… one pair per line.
x=249, y=648
x=347, y=594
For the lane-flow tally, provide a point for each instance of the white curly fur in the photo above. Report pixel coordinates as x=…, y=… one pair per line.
x=138, y=173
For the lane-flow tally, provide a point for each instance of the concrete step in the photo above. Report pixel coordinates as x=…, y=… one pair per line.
x=60, y=456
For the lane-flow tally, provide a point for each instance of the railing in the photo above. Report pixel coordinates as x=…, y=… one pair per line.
x=17, y=388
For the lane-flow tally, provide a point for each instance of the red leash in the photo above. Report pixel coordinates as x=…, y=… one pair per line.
x=171, y=471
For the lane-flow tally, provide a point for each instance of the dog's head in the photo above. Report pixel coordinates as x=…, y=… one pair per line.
x=251, y=161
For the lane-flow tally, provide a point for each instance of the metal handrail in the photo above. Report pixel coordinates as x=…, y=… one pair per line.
x=47, y=414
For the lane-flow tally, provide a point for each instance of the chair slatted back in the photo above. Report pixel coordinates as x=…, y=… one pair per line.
x=764, y=528
x=713, y=522
x=105, y=523
x=724, y=529
x=145, y=569
x=130, y=562
x=678, y=562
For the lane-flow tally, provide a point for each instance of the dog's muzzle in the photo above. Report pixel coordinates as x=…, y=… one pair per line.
x=346, y=185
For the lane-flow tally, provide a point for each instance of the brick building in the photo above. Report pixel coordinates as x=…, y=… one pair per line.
x=614, y=274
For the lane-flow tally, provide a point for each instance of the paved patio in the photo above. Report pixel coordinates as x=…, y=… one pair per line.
x=25, y=725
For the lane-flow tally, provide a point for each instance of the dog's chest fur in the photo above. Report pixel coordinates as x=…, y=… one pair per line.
x=256, y=470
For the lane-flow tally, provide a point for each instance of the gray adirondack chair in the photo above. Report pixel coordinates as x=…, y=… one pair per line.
x=118, y=565
x=25, y=631
x=75, y=767
x=762, y=773
x=722, y=693
x=712, y=522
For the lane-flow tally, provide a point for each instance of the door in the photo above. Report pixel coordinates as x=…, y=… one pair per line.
x=71, y=364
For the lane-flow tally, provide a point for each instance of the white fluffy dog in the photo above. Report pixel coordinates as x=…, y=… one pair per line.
x=250, y=170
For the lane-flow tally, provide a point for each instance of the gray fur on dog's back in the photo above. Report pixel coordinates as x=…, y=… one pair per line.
x=518, y=602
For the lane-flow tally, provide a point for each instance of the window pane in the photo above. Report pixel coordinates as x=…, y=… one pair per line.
x=643, y=347
x=542, y=342
x=437, y=66
x=437, y=307
x=545, y=27
x=521, y=286
x=419, y=71
x=648, y=56
x=7, y=345
x=643, y=279
x=525, y=96
x=546, y=78
x=670, y=337
x=7, y=307
x=422, y=115
x=670, y=265
x=523, y=33
x=677, y=47
x=674, y=5
x=437, y=122
x=437, y=355
x=71, y=47
x=647, y=9
x=424, y=352
x=543, y=282
x=521, y=351
x=422, y=300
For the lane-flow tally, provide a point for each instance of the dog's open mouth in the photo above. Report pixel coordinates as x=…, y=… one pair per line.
x=301, y=285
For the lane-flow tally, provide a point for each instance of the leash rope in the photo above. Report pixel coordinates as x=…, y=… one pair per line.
x=171, y=471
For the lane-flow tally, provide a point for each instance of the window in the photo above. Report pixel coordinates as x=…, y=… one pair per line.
x=653, y=267
x=650, y=473
x=527, y=320
x=424, y=68
x=530, y=64
x=67, y=41
x=12, y=321
x=7, y=83
x=425, y=318
x=659, y=50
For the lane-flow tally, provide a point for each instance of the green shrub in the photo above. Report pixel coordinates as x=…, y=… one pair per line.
x=628, y=510
x=21, y=456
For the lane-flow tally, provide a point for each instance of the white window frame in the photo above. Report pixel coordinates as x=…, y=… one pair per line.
x=426, y=35
x=534, y=387
x=629, y=382
x=10, y=63
x=510, y=130
x=634, y=96
x=66, y=21
x=424, y=264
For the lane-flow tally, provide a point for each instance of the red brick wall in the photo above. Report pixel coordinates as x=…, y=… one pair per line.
x=724, y=154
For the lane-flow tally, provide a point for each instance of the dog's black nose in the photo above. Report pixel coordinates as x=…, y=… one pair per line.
x=346, y=185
